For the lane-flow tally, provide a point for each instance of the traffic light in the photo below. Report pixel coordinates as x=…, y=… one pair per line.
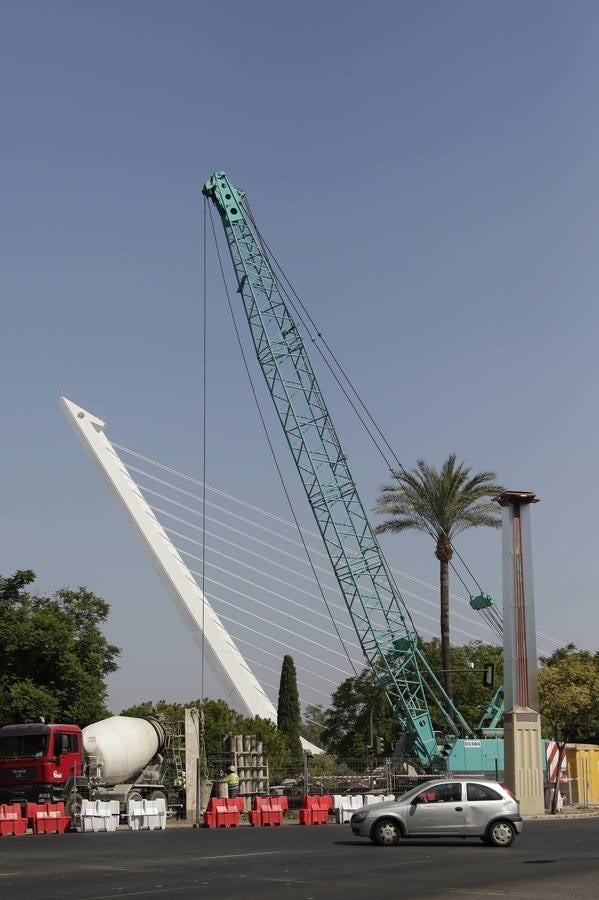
x=489, y=675
x=380, y=746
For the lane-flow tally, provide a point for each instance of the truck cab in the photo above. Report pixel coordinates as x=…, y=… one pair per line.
x=38, y=761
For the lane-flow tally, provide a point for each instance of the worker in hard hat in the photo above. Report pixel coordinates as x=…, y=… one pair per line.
x=232, y=779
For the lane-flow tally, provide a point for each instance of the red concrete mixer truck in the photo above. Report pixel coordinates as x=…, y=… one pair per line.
x=114, y=759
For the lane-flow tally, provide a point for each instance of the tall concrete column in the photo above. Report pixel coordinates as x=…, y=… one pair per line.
x=192, y=753
x=522, y=722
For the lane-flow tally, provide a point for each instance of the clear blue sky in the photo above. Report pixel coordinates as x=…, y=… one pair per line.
x=427, y=172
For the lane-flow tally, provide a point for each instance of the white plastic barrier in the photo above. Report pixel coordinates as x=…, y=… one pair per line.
x=343, y=809
x=345, y=806
x=147, y=815
x=375, y=799
x=98, y=815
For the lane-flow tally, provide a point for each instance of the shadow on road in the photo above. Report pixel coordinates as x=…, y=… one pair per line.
x=421, y=842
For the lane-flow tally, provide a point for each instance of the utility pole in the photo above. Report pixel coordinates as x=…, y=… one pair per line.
x=307, y=758
x=522, y=722
x=371, y=749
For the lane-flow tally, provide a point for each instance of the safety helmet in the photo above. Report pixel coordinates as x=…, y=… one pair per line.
x=232, y=769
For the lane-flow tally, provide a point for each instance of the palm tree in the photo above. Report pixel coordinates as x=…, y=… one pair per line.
x=442, y=503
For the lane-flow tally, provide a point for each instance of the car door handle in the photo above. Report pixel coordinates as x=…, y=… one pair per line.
x=459, y=809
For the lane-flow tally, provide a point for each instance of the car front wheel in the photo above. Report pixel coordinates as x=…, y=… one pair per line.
x=386, y=833
x=501, y=834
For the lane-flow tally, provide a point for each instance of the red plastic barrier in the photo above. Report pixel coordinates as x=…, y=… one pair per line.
x=223, y=812
x=11, y=820
x=267, y=811
x=282, y=801
x=255, y=814
x=315, y=810
x=48, y=818
x=30, y=811
x=273, y=814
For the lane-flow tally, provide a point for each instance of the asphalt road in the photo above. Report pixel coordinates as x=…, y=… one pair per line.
x=550, y=860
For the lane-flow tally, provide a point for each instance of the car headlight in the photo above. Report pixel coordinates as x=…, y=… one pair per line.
x=359, y=817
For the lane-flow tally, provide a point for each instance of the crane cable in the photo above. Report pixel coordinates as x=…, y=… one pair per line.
x=316, y=335
x=202, y=762
x=257, y=525
x=270, y=444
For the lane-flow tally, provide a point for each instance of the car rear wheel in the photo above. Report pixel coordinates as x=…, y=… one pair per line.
x=501, y=834
x=386, y=833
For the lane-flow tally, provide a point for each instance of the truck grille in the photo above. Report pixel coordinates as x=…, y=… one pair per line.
x=16, y=774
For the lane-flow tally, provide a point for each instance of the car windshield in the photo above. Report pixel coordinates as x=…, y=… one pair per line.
x=23, y=746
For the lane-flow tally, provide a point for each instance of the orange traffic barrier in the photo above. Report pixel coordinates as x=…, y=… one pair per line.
x=48, y=818
x=223, y=812
x=267, y=811
x=315, y=810
x=11, y=819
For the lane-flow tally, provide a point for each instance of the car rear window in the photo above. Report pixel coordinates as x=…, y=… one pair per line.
x=481, y=792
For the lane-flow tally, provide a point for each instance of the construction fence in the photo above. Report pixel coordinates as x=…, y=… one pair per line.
x=296, y=778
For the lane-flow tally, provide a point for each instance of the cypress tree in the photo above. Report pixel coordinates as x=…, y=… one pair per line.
x=288, y=709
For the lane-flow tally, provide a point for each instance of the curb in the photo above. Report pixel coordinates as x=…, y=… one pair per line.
x=560, y=816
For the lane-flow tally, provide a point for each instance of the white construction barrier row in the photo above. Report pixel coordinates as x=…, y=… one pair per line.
x=346, y=806
x=147, y=815
x=100, y=816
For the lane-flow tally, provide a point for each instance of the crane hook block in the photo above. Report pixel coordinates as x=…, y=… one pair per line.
x=481, y=601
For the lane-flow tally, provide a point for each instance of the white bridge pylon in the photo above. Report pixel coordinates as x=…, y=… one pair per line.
x=242, y=689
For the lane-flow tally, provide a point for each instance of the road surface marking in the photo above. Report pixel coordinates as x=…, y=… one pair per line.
x=239, y=855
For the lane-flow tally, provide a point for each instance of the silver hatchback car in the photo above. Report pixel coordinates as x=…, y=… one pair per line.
x=459, y=807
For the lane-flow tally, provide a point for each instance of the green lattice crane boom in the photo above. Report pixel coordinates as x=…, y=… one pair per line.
x=387, y=637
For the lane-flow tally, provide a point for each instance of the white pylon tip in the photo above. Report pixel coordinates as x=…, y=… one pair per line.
x=78, y=413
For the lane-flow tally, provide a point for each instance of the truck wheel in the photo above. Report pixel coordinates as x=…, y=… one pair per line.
x=134, y=795
x=157, y=795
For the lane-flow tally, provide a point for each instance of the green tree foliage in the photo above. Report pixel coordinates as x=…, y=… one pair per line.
x=54, y=658
x=348, y=719
x=441, y=503
x=288, y=709
x=326, y=764
x=355, y=703
x=569, y=699
x=466, y=660
x=312, y=727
